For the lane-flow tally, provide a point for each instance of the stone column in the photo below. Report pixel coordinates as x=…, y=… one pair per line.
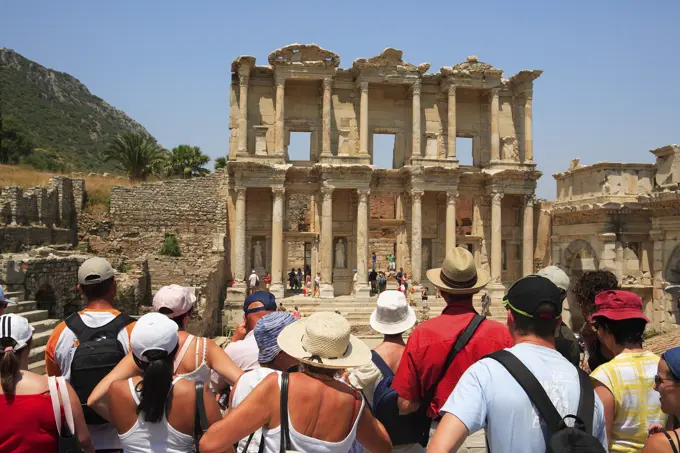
x=326, y=243
x=528, y=128
x=243, y=121
x=277, y=288
x=363, y=120
x=326, y=115
x=496, y=252
x=416, y=236
x=362, y=289
x=451, y=150
x=240, y=237
x=495, y=139
x=416, y=149
x=279, y=145
x=450, y=220
x=528, y=235
x=661, y=301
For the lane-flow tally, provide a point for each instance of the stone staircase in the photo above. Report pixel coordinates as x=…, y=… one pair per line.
x=40, y=321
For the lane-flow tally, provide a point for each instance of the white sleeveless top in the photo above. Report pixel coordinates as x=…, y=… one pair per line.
x=145, y=437
x=302, y=443
x=202, y=372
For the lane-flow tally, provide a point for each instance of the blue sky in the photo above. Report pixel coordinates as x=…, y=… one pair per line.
x=609, y=92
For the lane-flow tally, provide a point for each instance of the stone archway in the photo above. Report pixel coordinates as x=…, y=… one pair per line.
x=577, y=258
x=46, y=299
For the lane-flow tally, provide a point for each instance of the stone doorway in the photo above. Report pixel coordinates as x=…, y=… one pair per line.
x=47, y=300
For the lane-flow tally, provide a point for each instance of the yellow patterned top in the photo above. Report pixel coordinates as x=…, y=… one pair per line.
x=630, y=378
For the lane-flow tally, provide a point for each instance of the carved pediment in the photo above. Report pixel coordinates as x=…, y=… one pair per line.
x=389, y=59
x=304, y=55
x=472, y=67
x=244, y=61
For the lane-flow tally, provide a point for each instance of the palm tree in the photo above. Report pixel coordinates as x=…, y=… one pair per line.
x=186, y=162
x=140, y=156
x=220, y=162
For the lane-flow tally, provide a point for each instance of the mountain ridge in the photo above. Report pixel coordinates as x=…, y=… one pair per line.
x=68, y=124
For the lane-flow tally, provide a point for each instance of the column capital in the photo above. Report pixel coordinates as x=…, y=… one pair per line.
x=327, y=193
x=279, y=79
x=496, y=198
x=416, y=194
x=657, y=235
x=529, y=199
x=243, y=79
x=363, y=86
x=452, y=90
x=240, y=192
x=363, y=195
x=528, y=95
x=417, y=86
x=451, y=197
x=495, y=92
x=278, y=191
x=327, y=83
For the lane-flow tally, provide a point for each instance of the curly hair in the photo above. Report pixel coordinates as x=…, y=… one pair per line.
x=589, y=285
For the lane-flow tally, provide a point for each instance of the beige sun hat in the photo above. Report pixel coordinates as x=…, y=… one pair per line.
x=324, y=340
x=392, y=315
x=458, y=274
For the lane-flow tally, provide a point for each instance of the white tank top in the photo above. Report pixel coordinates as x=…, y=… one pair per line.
x=302, y=443
x=145, y=437
x=202, y=372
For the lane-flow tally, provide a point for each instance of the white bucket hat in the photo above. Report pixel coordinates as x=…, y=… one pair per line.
x=324, y=340
x=392, y=315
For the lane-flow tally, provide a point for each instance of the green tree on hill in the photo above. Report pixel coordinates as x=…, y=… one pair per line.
x=220, y=162
x=15, y=144
x=138, y=155
x=187, y=161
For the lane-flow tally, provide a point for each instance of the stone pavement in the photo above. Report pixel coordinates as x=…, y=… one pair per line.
x=474, y=444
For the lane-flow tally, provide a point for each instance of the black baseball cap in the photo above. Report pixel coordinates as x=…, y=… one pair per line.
x=528, y=293
x=265, y=297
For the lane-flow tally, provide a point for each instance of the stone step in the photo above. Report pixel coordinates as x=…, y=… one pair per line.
x=40, y=339
x=22, y=307
x=35, y=315
x=45, y=325
x=36, y=354
x=16, y=296
x=37, y=367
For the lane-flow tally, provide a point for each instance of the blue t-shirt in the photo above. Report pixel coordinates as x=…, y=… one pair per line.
x=487, y=396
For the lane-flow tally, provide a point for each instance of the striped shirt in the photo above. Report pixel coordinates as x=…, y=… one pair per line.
x=630, y=378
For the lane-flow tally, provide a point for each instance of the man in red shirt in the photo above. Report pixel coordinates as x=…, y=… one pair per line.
x=430, y=343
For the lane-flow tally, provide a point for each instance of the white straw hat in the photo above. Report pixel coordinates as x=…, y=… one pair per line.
x=324, y=340
x=393, y=315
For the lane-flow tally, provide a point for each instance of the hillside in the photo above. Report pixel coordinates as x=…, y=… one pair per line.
x=59, y=116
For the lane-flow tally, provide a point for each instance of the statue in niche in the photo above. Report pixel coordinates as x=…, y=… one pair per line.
x=426, y=256
x=257, y=255
x=510, y=150
x=340, y=254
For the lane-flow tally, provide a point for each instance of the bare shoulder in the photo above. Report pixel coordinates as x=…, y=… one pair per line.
x=657, y=443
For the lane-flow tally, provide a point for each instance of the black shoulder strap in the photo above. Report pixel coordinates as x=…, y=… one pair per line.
x=85, y=333
x=531, y=386
x=381, y=365
x=285, y=433
x=586, y=402
x=458, y=346
x=670, y=440
x=200, y=407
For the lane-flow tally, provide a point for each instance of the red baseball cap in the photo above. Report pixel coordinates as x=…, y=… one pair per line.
x=618, y=305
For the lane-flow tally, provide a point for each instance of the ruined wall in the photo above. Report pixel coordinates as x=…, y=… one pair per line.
x=604, y=179
x=41, y=215
x=193, y=209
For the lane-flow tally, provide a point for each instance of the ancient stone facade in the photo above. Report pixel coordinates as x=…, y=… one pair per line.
x=41, y=215
x=624, y=218
x=303, y=89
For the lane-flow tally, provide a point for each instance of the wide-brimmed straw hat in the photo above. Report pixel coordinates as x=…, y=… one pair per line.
x=458, y=274
x=324, y=340
x=392, y=315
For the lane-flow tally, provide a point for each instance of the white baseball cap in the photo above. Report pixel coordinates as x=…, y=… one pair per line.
x=153, y=332
x=17, y=328
x=175, y=298
x=555, y=275
x=95, y=270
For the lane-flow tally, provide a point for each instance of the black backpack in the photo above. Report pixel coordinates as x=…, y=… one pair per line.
x=413, y=428
x=561, y=438
x=98, y=352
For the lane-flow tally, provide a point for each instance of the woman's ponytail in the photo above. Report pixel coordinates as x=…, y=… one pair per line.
x=158, y=373
x=9, y=366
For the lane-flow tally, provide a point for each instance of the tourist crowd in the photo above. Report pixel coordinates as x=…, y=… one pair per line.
x=293, y=383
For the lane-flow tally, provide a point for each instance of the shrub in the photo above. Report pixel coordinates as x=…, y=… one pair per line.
x=170, y=246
